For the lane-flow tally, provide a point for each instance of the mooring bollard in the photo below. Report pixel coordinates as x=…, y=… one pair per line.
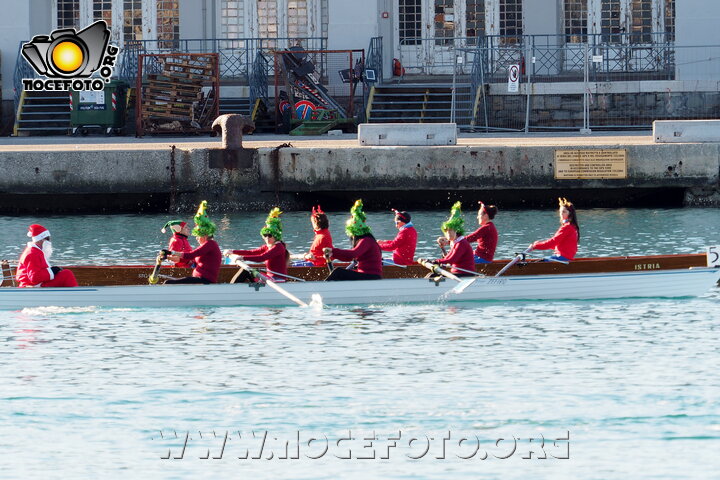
x=232, y=126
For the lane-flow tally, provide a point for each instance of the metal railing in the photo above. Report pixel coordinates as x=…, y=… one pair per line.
x=374, y=59
x=237, y=55
x=666, y=82
x=22, y=70
x=622, y=53
x=259, y=79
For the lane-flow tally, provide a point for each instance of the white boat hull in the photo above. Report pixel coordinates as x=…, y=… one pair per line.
x=665, y=283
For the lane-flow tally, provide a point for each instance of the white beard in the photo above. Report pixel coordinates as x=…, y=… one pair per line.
x=47, y=250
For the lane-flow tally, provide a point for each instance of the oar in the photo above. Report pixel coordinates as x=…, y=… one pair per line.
x=267, y=281
x=297, y=279
x=390, y=263
x=520, y=256
x=153, y=278
x=329, y=262
x=437, y=270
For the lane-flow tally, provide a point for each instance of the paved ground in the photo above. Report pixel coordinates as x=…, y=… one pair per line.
x=66, y=143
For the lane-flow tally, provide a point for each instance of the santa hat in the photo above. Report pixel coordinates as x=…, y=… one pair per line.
x=174, y=225
x=37, y=232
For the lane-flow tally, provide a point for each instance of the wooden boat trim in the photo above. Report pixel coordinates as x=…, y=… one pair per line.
x=94, y=275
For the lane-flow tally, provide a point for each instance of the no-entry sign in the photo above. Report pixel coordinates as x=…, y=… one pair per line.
x=514, y=78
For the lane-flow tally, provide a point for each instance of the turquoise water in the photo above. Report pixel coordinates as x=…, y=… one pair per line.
x=89, y=393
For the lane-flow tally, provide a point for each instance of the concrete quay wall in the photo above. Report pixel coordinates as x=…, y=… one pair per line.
x=249, y=179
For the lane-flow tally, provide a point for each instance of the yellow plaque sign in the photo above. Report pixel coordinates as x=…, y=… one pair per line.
x=590, y=164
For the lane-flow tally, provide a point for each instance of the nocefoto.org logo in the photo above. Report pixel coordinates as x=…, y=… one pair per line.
x=68, y=58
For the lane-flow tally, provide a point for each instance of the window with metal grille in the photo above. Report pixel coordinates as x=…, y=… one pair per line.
x=297, y=17
x=444, y=22
x=610, y=21
x=102, y=10
x=641, y=21
x=575, y=17
x=267, y=18
x=474, y=20
x=670, y=20
x=132, y=20
x=231, y=15
x=168, y=23
x=68, y=13
x=511, y=26
x=410, y=21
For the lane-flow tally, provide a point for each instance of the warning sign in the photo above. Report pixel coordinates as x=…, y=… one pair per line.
x=514, y=78
x=590, y=164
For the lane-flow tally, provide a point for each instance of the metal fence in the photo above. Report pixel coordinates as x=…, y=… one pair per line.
x=236, y=55
x=541, y=55
x=583, y=86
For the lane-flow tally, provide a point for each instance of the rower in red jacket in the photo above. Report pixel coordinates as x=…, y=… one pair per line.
x=365, y=251
x=404, y=244
x=273, y=253
x=565, y=240
x=461, y=253
x=33, y=269
x=207, y=257
x=486, y=235
x=321, y=241
x=179, y=241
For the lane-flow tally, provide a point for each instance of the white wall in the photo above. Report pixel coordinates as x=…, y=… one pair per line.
x=352, y=23
x=14, y=28
x=696, y=23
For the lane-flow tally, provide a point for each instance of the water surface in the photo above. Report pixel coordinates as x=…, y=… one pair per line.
x=87, y=393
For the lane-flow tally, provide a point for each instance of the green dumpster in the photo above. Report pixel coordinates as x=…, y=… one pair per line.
x=104, y=110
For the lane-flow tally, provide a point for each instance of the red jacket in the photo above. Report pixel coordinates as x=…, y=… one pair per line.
x=403, y=247
x=207, y=258
x=274, y=257
x=367, y=253
x=322, y=239
x=33, y=269
x=180, y=243
x=487, y=238
x=565, y=242
x=461, y=255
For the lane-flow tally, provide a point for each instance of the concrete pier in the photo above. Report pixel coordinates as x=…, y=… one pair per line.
x=62, y=174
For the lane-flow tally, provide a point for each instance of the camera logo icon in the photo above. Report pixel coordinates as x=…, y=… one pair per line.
x=68, y=54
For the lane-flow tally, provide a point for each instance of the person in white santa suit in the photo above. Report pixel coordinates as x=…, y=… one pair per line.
x=33, y=268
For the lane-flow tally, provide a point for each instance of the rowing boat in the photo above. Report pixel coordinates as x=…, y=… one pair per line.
x=637, y=283
x=96, y=275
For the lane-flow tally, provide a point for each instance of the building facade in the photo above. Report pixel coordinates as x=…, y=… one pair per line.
x=417, y=32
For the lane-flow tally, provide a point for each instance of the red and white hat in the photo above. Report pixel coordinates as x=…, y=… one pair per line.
x=37, y=232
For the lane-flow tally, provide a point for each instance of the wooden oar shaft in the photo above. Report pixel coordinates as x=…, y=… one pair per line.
x=268, y=281
x=437, y=270
x=513, y=262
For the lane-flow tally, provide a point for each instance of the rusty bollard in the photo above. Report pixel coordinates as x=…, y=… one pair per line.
x=232, y=126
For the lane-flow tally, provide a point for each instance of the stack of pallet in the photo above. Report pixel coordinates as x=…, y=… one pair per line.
x=181, y=98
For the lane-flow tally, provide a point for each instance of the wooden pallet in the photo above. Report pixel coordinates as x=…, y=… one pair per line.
x=176, y=93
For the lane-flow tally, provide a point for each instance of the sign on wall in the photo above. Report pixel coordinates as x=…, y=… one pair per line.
x=590, y=164
x=514, y=78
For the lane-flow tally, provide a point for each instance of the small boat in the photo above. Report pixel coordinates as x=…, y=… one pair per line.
x=98, y=275
x=644, y=279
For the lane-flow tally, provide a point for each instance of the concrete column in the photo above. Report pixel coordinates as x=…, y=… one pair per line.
x=696, y=23
x=543, y=17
